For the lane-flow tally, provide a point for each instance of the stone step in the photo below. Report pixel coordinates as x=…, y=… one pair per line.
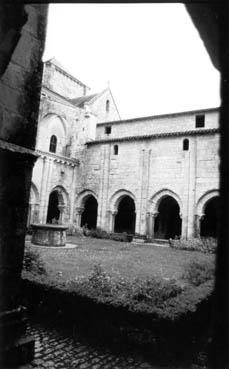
x=154, y=242
x=160, y=241
x=157, y=244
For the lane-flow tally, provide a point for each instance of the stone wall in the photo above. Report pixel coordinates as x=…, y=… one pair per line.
x=151, y=169
x=60, y=81
x=105, y=113
x=157, y=124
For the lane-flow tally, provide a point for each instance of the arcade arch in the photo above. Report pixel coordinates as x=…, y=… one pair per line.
x=86, y=209
x=164, y=217
x=207, y=214
x=58, y=206
x=123, y=212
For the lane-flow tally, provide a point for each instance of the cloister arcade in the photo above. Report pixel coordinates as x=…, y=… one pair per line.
x=163, y=218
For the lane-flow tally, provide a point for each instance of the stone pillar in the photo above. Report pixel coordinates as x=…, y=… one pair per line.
x=150, y=223
x=184, y=225
x=79, y=212
x=111, y=220
x=36, y=213
x=22, y=36
x=43, y=188
x=72, y=194
x=198, y=220
x=47, y=190
x=15, y=180
x=61, y=208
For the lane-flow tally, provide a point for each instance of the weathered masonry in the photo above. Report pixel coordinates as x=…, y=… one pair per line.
x=156, y=176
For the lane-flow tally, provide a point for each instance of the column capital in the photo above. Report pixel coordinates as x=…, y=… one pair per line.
x=61, y=207
x=79, y=210
x=200, y=216
x=152, y=214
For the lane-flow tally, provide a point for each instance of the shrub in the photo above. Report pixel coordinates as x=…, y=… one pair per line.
x=198, y=272
x=121, y=237
x=153, y=290
x=33, y=263
x=206, y=245
x=209, y=244
x=73, y=230
x=98, y=233
x=138, y=295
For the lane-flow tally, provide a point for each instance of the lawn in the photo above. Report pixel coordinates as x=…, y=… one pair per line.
x=116, y=258
x=141, y=277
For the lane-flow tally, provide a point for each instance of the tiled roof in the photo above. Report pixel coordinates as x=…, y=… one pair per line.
x=80, y=101
x=195, y=132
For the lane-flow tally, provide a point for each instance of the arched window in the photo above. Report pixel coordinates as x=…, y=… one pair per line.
x=115, y=149
x=186, y=144
x=107, y=106
x=53, y=143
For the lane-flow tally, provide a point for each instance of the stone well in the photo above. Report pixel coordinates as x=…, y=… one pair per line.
x=49, y=234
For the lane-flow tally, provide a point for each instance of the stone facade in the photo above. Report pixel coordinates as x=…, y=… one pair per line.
x=143, y=161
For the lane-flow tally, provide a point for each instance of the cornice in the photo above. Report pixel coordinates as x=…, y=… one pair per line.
x=59, y=158
x=196, y=132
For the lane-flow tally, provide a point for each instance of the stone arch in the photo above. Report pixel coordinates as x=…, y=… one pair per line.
x=122, y=212
x=164, y=215
x=86, y=209
x=34, y=205
x=117, y=197
x=58, y=205
x=155, y=200
x=207, y=214
x=82, y=196
x=203, y=200
x=61, y=117
x=52, y=124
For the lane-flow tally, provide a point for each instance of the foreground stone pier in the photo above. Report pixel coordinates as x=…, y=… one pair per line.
x=22, y=36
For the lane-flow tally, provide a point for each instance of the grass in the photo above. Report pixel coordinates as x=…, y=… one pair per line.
x=116, y=258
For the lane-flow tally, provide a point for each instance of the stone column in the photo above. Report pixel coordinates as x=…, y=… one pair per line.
x=48, y=188
x=79, y=212
x=43, y=188
x=184, y=225
x=198, y=220
x=150, y=223
x=61, y=208
x=112, y=215
x=72, y=195
x=36, y=213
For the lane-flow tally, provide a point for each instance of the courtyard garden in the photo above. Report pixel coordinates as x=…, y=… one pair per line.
x=165, y=281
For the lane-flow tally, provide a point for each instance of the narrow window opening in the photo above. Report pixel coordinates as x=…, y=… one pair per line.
x=108, y=130
x=107, y=106
x=186, y=144
x=200, y=121
x=53, y=143
x=115, y=149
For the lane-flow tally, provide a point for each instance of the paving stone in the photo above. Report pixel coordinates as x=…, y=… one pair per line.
x=53, y=350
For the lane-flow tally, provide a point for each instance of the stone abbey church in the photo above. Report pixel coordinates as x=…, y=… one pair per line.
x=156, y=176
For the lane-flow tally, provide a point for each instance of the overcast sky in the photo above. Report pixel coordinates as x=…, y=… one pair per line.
x=151, y=54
